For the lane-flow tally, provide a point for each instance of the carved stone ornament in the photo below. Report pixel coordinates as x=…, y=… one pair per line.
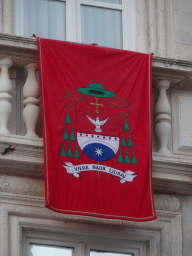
x=166, y=203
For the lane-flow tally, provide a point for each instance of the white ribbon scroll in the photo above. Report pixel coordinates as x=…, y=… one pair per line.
x=76, y=169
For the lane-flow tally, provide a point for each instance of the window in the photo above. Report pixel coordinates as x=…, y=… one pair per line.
x=44, y=18
x=40, y=250
x=104, y=253
x=38, y=243
x=108, y=23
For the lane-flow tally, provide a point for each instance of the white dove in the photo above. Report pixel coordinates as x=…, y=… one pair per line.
x=97, y=123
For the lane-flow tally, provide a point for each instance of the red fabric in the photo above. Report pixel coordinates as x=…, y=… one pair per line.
x=107, y=171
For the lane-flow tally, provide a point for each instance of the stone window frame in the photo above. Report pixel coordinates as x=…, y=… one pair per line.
x=21, y=213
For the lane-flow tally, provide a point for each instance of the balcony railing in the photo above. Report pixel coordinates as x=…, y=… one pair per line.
x=23, y=154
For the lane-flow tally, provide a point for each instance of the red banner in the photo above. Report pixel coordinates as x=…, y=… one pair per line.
x=96, y=111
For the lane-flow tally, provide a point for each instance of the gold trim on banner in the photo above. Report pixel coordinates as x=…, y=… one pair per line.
x=45, y=133
x=150, y=136
x=100, y=214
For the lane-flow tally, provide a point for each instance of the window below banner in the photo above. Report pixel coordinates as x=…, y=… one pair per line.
x=39, y=243
x=41, y=250
x=104, y=253
x=109, y=23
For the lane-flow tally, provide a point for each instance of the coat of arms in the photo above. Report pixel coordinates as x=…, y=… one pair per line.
x=98, y=134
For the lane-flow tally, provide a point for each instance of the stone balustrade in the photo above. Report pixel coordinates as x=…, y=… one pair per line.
x=31, y=102
x=31, y=111
x=31, y=94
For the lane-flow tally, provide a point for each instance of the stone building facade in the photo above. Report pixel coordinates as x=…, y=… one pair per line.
x=159, y=26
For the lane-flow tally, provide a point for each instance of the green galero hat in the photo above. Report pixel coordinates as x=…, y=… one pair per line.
x=96, y=90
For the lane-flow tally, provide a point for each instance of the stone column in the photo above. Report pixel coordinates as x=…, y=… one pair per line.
x=163, y=117
x=31, y=93
x=5, y=95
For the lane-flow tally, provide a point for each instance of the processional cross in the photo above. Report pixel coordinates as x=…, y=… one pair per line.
x=97, y=104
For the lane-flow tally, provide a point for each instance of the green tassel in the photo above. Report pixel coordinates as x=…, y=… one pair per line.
x=123, y=142
x=127, y=161
x=134, y=160
x=120, y=158
x=77, y=153
x=69, y=154
x=130, y=144
x=68, y=119
x=65, y=135
x=126, y=126
x=72, y=136
x=62, y=153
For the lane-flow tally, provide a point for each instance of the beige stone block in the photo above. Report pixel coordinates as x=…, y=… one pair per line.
x=182, y=5
x=182, y=52
x=182, y=27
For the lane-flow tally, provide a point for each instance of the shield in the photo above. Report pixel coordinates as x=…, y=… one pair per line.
x=98, y=135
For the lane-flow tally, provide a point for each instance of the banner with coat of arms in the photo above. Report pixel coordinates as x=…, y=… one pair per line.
x=96, y=113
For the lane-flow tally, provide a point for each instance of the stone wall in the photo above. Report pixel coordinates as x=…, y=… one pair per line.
x=182, y=24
